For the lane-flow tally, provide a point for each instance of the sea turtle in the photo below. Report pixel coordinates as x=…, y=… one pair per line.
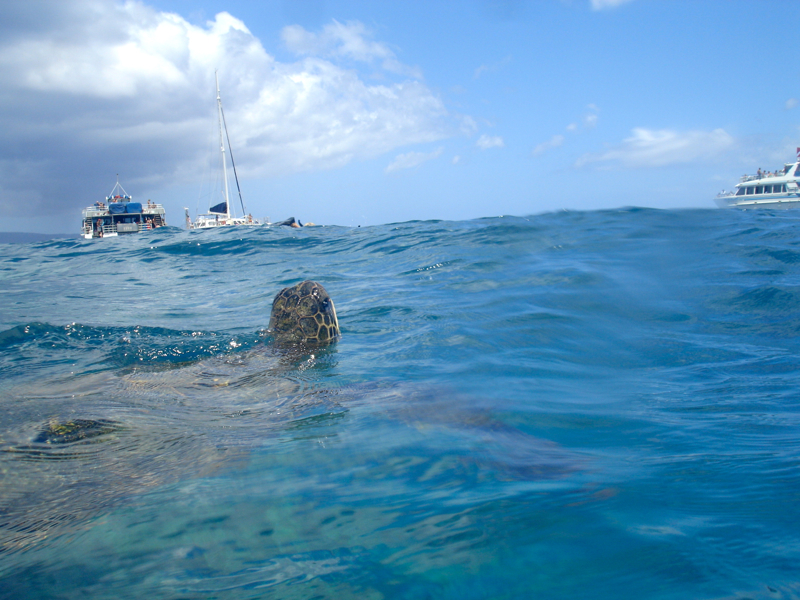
x=304, y=313
x=124, y=424
x=116, y=435
x=66, y=432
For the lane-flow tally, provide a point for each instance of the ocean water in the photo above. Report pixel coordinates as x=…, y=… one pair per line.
x=569, y=405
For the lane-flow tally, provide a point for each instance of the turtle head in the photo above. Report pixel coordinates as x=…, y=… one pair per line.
x=304, y=313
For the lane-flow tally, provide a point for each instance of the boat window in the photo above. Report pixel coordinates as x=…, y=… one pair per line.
x=767, y=189
x=760, y=189
x=750, y=189
x=740, y=191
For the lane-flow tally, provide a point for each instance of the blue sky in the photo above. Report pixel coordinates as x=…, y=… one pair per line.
x=358, y=113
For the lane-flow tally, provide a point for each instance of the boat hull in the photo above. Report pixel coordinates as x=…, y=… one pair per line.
x=211, y=221
x=781, y=202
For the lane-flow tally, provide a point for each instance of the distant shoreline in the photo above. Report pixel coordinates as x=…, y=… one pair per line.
x=9, y=237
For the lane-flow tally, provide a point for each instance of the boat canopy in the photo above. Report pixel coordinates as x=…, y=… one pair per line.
x=118, y=193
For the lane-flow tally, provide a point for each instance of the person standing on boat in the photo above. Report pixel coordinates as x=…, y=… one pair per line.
x=99, y=227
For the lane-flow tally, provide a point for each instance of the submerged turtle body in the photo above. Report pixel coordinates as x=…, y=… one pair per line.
x=304, y=313
x=66, y=432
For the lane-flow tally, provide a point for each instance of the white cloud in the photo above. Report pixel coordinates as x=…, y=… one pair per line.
x=468, y=125
x=589, y=121
x=138, y=100
x=490, y=141
x=141, y=52
x=412, y=159
x=791, y=103
x=349, y=40
x=553, y=142
x=590, y=118
x=603, y=4
x=658, y=148
x=492, y=67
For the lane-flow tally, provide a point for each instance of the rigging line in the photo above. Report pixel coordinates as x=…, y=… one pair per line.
x=230, y=151
x=211, y=151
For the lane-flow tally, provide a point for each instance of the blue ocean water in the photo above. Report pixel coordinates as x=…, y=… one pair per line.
x=569, y=405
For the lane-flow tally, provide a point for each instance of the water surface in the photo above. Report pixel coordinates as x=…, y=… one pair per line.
x=593, y=404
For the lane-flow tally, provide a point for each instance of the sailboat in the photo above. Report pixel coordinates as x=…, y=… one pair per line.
x=222, y=214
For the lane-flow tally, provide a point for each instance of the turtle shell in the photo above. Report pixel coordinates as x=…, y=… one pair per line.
x=304, y=313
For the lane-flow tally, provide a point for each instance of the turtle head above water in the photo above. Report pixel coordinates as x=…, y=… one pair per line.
x=304, y=313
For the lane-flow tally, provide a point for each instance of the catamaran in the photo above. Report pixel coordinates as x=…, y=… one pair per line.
x=119, y=214
x=222, y=214
x=777, y=189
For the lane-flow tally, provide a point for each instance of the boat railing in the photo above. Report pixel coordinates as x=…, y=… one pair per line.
x=746, y=178
x=766, y=175
x=112, y=228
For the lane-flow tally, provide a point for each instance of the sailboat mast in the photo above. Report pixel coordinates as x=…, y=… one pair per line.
x=222, y=149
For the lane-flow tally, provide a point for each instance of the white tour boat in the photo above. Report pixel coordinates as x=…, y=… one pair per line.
x=222, y=214
x=778, y=189
x=119, y=214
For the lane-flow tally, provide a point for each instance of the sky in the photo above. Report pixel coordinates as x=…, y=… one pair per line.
x=351, y=112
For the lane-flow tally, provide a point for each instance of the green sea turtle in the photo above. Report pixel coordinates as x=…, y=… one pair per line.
x=123, y=424
x=66, y=432
x=304, y=313
x=116, y=435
